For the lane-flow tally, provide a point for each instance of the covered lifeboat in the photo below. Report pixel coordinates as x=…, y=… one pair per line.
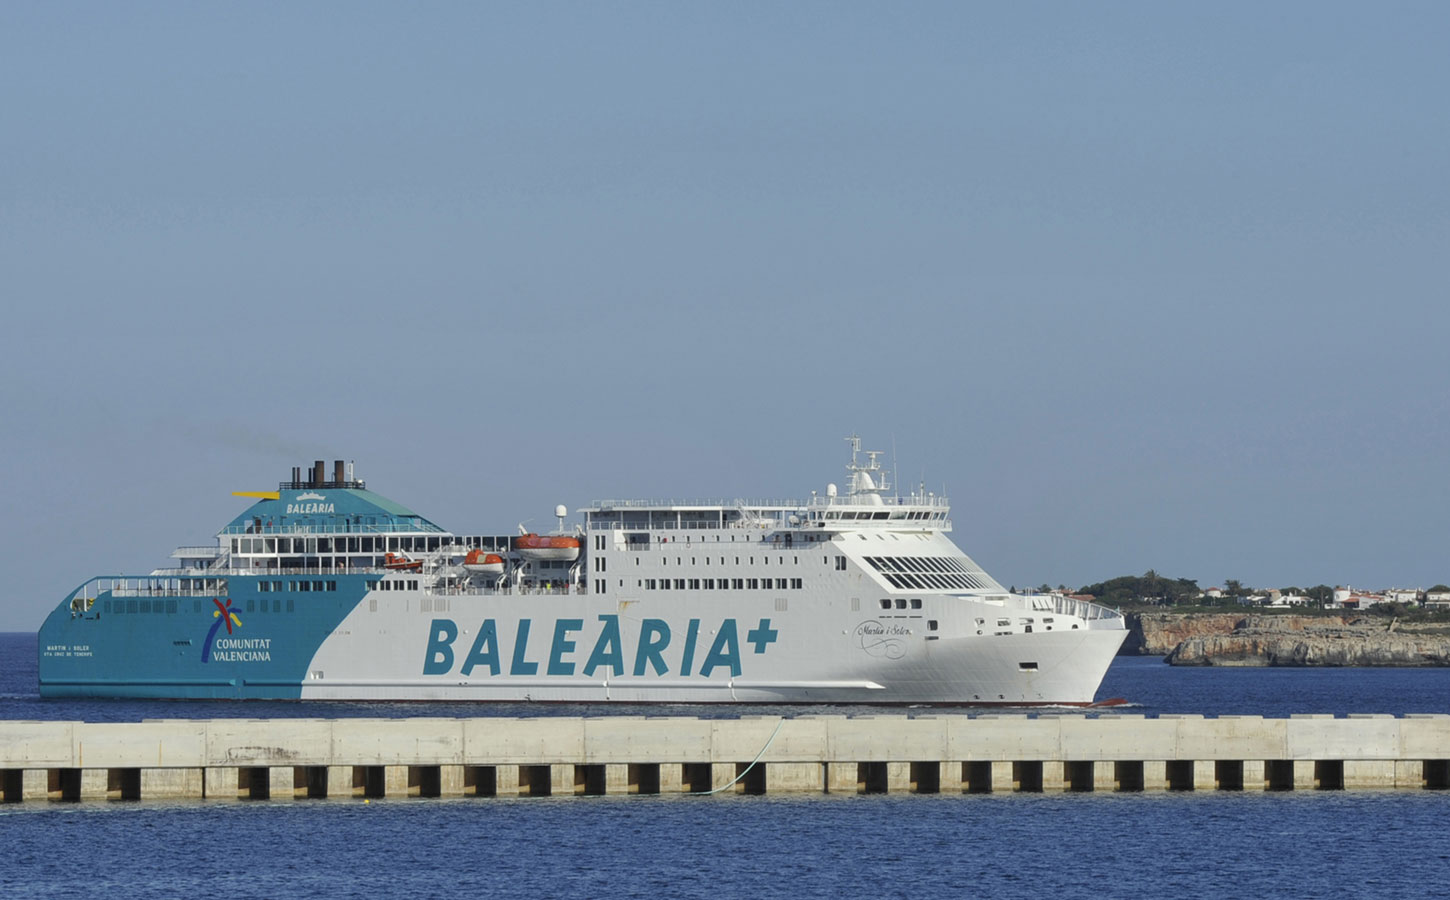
x=478, y=562
x=547, y=546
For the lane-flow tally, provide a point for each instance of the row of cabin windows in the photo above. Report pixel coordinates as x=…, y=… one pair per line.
x=354, y=543
x=399, y=585
x=901, y=603
x=694, y=560
x=919, y=572
x=138, y=606
x=941, y=564
x=940, y=582
x=264, y=587
x=144, y=605
x=721, y=584
x=879, y=515
x=638, y=539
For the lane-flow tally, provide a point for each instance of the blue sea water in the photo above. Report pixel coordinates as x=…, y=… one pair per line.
x=1302, y=844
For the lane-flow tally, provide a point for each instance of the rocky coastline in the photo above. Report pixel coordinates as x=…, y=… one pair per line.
x=1282, y=640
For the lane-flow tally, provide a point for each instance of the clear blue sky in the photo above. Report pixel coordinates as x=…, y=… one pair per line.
x=1141, y=284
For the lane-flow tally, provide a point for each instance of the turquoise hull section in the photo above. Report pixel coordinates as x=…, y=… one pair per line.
x=185, y=647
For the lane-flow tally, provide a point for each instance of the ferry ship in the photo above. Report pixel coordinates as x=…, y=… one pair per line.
x=324, y=590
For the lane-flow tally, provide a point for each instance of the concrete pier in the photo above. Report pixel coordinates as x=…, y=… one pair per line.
x=301, y=759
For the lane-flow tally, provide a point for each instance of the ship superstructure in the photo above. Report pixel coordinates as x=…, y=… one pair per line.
x=323, y=589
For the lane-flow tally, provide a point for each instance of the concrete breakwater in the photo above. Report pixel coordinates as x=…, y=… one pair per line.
x=1277, y=640
x=313, y=758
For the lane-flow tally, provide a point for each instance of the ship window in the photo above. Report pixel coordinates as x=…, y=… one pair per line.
x=901, y=603
x=679, y=584
x=795, y=584
x=752, y=584
x=915, y=603
x=694, y=584
x=276, y=604
x=291, y=585
x=317, y=585
x=332, y=585
x=931, y=624
x=737, y=584
x=709, y=584
x=264, y=586
x=120, y=606
x=251, y=604
x=304, y=585
x=780, y=584
x=1001, y=622
x=649, y=584
x=880, y=515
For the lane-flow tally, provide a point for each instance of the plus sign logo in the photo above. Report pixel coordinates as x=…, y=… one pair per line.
x=761, y=636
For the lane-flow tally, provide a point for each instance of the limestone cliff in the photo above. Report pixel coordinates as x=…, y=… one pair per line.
x=1312, y=641
x=1156, y=634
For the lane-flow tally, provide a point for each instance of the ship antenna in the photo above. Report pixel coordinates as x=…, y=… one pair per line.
x=895, y=479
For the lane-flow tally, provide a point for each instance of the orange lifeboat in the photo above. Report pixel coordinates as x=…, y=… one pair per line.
x=547, y=546
x=481, y=563
x=401, y=563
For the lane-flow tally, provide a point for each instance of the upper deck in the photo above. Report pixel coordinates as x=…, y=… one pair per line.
x=867, y=504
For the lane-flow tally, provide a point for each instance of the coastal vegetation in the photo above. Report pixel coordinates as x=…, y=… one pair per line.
x=1154, y=592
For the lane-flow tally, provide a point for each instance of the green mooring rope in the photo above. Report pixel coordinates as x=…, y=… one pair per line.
x=747, y=769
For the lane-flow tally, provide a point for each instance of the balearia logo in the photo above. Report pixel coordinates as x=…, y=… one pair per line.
x=309, y=503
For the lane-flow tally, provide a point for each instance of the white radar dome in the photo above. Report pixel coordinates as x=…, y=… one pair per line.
x=830, y=490
x=560, y=511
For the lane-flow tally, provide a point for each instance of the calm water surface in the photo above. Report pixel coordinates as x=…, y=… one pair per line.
x=1308, y=844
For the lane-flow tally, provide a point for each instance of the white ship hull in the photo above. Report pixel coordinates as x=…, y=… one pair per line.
x=820, y=652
